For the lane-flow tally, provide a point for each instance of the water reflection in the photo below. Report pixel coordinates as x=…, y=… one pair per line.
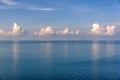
x=0, y=51
x=45, y=57
x=48, y=48
x=95, y=55
x=45, y=51
x=65, y=46
x=15, y=56
x=110, y=50
x=95, y=49
x=15, y=51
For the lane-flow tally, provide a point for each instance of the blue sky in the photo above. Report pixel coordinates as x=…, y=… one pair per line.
x=73, y=14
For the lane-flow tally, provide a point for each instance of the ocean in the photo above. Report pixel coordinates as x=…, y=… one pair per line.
x=59, y=60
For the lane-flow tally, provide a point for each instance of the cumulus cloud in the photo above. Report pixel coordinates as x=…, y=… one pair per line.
x=77, y=32
x=110, y=30
x=17, y=31
x=2, y=32
x=67, y=31
x=9, y=2
x=96, y=29
x=45, y=31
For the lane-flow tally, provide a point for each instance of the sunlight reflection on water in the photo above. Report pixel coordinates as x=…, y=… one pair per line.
x=95, y=49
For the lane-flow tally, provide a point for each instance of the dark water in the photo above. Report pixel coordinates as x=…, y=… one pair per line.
x=60, y=60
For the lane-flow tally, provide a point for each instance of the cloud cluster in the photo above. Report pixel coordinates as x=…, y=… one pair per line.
x=98, y=30
x=110, y=30
x=17, y=31
x=2, y=32
x=45, y=31
x=49, y=31
x=67, y=31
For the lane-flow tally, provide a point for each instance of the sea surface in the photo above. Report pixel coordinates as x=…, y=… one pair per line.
x=59, y=60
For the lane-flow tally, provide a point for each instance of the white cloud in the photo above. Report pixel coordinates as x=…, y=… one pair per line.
x=110, y=30
x=17, y=31
x=67, y=31
x=77, y=32
x=9, y=2
x=45, y=31
x=96, y=29
x=41, y=9
x=2, y=32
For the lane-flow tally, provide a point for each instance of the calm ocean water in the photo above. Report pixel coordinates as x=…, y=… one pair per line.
x=59, y=60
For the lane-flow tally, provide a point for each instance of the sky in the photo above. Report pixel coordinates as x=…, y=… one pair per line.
x=59, y=19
